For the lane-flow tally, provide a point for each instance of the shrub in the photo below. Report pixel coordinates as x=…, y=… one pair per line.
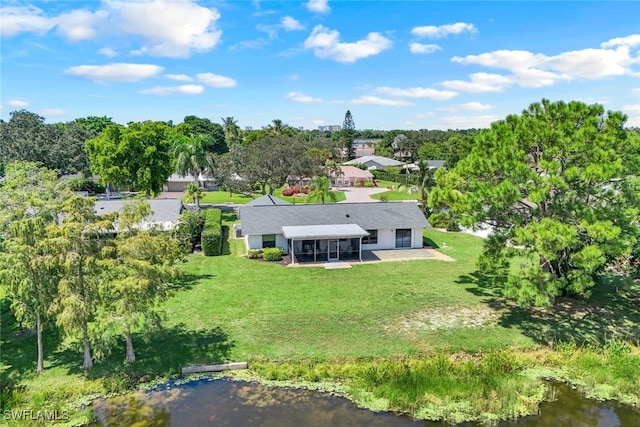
x=189, y=228
x=359, y=184
x=368, y=184
x=212, y=233
x=272, y=254
x=305, y=189
x=295, y=189
x=254, y=253
x=288, y=192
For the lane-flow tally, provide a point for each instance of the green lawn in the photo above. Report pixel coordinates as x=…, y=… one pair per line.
x=324, y=322
x=222, y=197
x=393, y=193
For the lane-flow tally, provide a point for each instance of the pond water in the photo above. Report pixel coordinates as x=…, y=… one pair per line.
x=222, y=402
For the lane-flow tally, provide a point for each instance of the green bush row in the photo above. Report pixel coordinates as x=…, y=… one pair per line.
x=272, y=254
x=254, y=253
x=211, y=238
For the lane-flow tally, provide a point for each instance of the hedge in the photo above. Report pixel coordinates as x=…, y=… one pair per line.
x=212, y=233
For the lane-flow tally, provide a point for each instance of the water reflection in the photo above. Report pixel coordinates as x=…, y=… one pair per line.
x=223, y=402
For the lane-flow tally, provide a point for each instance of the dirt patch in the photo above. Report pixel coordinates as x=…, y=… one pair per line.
x=445, y=318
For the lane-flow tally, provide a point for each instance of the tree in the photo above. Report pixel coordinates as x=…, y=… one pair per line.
x=212, y=131
x=137, y=156
x=231, y=131
x=29, y=201
x=94, y=124
x=78, y=243
x=557, y=181
x=424, y=182
x=347, y=135
x=25, y=137
x=193, y=193
x=320, y=190
x=191, y=156
x=268, y=162
x=139, y=271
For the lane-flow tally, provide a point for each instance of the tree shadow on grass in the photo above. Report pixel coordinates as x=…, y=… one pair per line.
x=165, y=351
x=610, y=313
x=426, y=241
x=226, y=249
x=186, y=281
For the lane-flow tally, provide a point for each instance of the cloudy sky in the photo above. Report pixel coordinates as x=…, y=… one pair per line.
x=393, y=64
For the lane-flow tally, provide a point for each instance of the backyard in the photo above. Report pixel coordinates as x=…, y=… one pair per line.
x=344, y=325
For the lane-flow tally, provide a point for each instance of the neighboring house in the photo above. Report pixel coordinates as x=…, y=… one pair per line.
x=166, y=212
x=433, y=164
x=350, y=176
x=178, y=183
x=374, y=162
x=332, y=232
x=364, y=147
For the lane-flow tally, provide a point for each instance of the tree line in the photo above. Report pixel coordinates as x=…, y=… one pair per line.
x=92, y=276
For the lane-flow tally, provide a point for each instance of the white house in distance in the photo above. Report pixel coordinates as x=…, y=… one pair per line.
x=332, y=232
x=178, y=183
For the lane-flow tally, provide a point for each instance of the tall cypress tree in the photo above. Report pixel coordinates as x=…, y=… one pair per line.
x=348, y=134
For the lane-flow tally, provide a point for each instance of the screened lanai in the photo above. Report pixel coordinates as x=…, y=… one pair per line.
x=320, y=243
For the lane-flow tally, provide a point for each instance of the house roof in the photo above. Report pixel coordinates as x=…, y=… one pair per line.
x=323, y=231
x=271, y=219
x=186, y=178
x=166, y=212
x=354, y=172
x=433, y=164
x=382, y=161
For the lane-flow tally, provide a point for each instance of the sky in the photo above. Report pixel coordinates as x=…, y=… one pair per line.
x=393, y=64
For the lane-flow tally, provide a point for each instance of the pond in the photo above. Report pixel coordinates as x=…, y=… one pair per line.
x=222, y=402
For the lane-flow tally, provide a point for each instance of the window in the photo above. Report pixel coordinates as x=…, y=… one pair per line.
x=403, y=238
x=371, y=239
x=268, y=240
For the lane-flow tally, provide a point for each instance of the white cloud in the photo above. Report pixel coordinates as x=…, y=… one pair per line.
x=374, y=100
x=633, y=113
x=630, y=41
x=52, y=112
x=17, y=103
x=326, y=44
x=23, y=19
x=480, y=82
x=530, y=69
x=304, y=99
x=171, y=28
x=249, y=44
x=108, y=52
x=174, y=90
x=115, y=72
x=216, y=80
x=319, y=6
x=179, y=77
x=420, y=48
x=465, y=122
x=636, y=91
x=80, y=24
x=475, y=106
x=291, y=24
x=433, y=32
x=416, y=92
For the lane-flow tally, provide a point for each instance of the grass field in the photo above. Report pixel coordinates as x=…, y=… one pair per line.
x=222, y=197
x=394, y=193
x=393, y=323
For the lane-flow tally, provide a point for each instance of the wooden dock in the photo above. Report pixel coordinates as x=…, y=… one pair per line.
x=214, y=368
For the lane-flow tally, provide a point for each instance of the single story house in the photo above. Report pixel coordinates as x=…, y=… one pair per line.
x=178, y=183
x=165, y=212
x=332, y=232
x=350, y=176
x=374, y=162
x=433, y=164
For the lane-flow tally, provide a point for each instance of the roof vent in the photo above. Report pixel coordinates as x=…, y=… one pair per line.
x=347, y=215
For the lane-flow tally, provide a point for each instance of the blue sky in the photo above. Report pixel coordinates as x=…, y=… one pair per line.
x=393, y=64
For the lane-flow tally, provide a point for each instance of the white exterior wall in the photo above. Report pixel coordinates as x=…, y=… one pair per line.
x=387, y=239
x=255, y=242
x=416, y=238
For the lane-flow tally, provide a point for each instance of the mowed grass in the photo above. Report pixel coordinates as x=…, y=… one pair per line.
x=222, y=197
x=394, y=193
x=379, y=309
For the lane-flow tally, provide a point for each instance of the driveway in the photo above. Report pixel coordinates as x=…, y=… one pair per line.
x=360, y=194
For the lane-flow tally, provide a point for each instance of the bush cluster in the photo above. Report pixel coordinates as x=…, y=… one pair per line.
x=254, y=253
x=189, y=228
x=290, y=191
x=212, y=233
x=272, y=254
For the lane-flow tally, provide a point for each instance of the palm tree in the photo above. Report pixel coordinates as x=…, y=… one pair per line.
x=231, y=130
x=424, y=183
x=191, y=156
x=277, y=126
x=193, y=193
x=320, y=189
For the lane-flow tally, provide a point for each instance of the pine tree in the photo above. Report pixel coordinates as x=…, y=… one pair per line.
x=347, y=135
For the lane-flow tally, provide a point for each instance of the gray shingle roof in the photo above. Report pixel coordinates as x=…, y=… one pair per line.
x=164, y=210
x=369, y=216
x=267, y=199
x=384, y=161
